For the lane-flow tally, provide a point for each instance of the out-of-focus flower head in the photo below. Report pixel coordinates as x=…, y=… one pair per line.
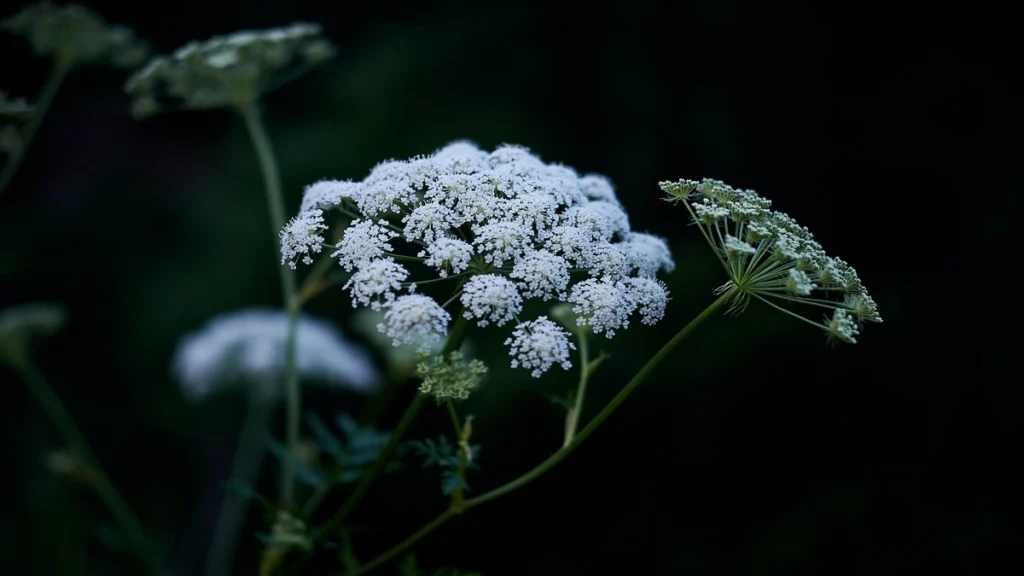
x=13, y=113
x=73, y=35
x=248, y=347
x=226, y=71
x=21, y=326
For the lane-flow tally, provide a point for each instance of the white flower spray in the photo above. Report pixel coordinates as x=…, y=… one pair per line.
x=506, y=228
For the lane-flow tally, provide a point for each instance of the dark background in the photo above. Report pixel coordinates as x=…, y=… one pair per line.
x=755, y=449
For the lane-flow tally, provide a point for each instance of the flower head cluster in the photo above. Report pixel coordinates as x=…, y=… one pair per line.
x=74, y=35
x=451, y=377
x=21, y=325
x=249, y=346
x=504, y=228
x=400, y=359
x=771, y=258
x=13, y=113
x=227, y=70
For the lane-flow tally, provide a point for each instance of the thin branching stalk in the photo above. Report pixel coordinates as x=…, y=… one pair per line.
x=93, y=473
x=558, y=456
x=28, y=133
x=581, y=389
x=275, y=201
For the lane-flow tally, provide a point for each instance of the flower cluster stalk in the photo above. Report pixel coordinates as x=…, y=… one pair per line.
x=455, y=338
x=42, y=104
x=92, y=471
x=571, y=445
x=275, y=201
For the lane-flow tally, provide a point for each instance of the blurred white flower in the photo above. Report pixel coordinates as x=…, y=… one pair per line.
x=227, y=70
x=248, y=347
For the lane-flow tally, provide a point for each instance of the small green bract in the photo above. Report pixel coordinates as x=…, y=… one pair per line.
x=450, y=378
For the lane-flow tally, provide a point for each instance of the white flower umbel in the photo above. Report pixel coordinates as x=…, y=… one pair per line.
x=542, y=274
x=537, y=344
x=230, y=70
x=415, y=318
x=248, y=347
x=501, y=228
x=447, y=255
x=771, y=258
x=491, y=298
x=363, y=242
x=375, y=283
x=301, y=236
x=602, y=305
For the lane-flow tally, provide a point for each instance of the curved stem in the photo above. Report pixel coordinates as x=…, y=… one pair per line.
x=404, y=544
x=95, y=475
x=245, y=468
x=275, y=202
x=558, y=456
x=455, y=337
x=42, y=103
x=581, y=389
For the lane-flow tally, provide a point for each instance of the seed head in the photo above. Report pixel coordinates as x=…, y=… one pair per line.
x=769, y=257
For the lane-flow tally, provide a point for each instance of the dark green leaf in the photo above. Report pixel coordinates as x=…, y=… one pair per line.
x=328, y=442
x=243, y=490
x=303, y=473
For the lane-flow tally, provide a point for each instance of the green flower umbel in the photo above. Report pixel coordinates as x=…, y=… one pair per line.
x=771, y=258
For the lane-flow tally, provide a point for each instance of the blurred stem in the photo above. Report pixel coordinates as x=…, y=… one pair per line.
x=314, y=283
x=275, y=202
x=94, y=473
x=455, y=419
x=455, y=337
x=558, y=456
x=244, y=468
x=28, y=133
x=581, y=389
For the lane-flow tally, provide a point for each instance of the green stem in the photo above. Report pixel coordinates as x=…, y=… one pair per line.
x=96, y=476
x=275, y=201
x=558, y=456
x=456, y=424
x=457, y=494
x=455, y=337
x=42, y=103
x=404, y=544
x=245, y=468
x=581, y=389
